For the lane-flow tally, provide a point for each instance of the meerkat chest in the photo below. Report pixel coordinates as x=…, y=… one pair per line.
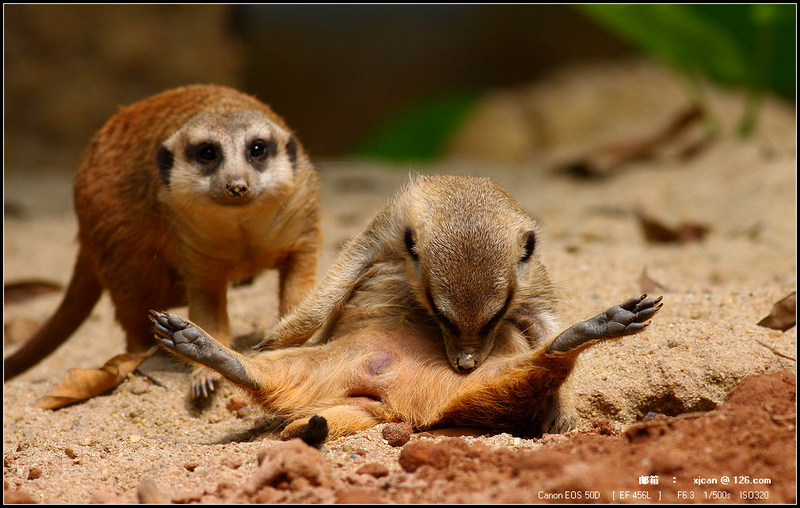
x=238, y=240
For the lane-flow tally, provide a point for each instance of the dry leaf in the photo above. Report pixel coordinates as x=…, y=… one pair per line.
x=82, y=384
x=648, y=285
x=675, y=137
x=656, y=232
x=21, y=291
x=783, y=315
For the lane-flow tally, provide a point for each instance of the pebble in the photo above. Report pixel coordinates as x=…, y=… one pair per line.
x=373, y=469
x=397, y=434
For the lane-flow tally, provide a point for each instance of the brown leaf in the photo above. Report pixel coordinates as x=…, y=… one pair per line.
x=648, y=285
x=783, y=315
x=17, y=292
x=675, y=136
x=82, y=384
x=656, y=232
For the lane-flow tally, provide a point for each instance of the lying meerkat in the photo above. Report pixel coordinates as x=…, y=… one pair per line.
x=438, y=313
x=177, y=196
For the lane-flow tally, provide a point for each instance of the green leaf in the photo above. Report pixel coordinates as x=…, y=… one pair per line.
x=419, y=132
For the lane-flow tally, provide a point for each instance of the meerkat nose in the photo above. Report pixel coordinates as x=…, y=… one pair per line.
x=465, y=362
x=238, y=188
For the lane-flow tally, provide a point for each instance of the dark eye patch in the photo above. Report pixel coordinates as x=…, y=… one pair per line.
x=444, y=320
x=208, y=155
x=260, y=149
x=498, y=316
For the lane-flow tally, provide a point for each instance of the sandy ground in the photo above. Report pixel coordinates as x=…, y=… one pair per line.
x=142, y=439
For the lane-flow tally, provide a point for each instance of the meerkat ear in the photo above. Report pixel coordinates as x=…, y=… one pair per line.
x=530, y=245
x=411, y=246
x=165, y=160
x=291, y=152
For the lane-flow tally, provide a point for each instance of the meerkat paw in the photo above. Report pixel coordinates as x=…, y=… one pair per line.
x=627, y=318
x=189, y=341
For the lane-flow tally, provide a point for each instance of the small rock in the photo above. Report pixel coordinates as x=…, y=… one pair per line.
x=397, y=434
x=70, y=453
x=17, y=497
x=138, y=385
x=149, y=493
x=191, y=465
x=105, y=497
x=232, y=460
x=235, y=404
x=188, y=496
x=34, y=473
x=359, y=496
x=292, y=464
x=420, y=453
x=374, y=469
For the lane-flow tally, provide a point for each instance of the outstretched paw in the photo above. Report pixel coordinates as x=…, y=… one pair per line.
x=618, y=321
x=182, y=337
x=189, y=341
x=630, y=317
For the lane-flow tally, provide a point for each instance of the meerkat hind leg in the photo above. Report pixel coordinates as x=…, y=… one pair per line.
x=189, y=341
x=627, y=318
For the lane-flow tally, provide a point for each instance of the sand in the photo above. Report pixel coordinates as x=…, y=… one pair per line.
x=143, y=441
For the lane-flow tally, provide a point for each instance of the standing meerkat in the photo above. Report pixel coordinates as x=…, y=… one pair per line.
x=439, y=312
x=177, y=196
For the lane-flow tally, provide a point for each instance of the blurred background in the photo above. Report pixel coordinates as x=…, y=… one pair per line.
x=393, y=82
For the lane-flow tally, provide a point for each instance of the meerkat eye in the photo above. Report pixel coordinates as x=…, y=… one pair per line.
x=530, y=245
x=260, y=149
x=207, y=153
x=411, y=247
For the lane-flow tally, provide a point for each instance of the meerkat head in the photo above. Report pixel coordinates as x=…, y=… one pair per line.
x=465, y=264
x=231, y=159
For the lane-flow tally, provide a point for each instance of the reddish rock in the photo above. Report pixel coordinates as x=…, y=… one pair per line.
x=397, y=434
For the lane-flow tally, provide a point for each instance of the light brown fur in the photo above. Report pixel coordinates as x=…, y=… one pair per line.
x=374, y=349
x=155, y=244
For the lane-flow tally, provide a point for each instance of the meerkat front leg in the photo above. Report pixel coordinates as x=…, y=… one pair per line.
x=190, y=342
x=618, y=321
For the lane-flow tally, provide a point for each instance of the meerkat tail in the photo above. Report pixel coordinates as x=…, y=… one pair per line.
x=82, y=294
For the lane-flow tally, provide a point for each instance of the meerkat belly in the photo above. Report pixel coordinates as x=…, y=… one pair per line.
x=403, y=372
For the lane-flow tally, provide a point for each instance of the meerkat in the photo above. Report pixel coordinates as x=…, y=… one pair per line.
x=178, y=196
x=440, y=312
